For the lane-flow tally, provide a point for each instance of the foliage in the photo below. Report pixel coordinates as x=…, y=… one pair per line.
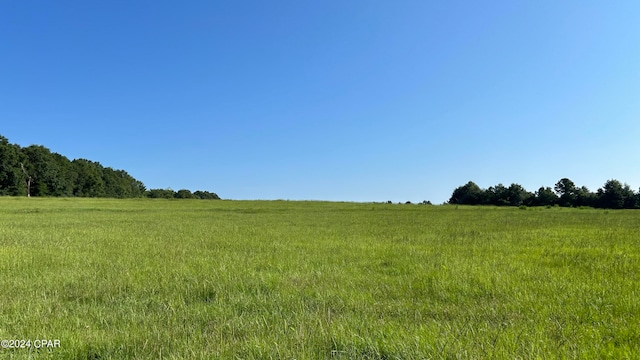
x=613, y=195
x=206, y=195
x=470, y=193
x=12, y=178
x=545, y=196
x=36, y=171
x=161, y=194
x=184, y=194
x=181, y=194
x=566, y=190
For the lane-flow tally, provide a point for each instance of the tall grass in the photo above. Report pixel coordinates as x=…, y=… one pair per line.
x=144, y=278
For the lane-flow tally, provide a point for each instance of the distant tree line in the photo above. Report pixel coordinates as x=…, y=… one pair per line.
x=36, y=171
x=181, y=194
x=613, y=195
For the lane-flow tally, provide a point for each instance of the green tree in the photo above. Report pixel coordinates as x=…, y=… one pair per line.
x=584, y=197
x=12, y=178
x=89, y=182
x=566, y=190
x=498, y=195
x=137, y=188
x=68, y=176
x=545, y=196
x=160, y=193
x=629, y=198
x=615, y=195
x=46, y=171
x=468, y=194
x=114, y=184
x=119, y=184
x=206, y=195
x=517, y=195
x=184, y=194
x=36, y=171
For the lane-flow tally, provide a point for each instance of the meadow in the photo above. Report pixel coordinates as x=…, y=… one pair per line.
x=195, y=279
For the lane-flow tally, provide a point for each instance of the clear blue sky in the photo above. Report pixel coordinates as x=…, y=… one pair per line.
x=330, y=100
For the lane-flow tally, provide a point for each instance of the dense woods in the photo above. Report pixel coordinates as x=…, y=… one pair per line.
x=613, y=195
x=36, y=171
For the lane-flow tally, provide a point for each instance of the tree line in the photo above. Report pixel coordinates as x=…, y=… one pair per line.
x=613, y=195
x=36, y=171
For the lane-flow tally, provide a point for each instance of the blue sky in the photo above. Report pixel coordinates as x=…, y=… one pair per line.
x=329, y=100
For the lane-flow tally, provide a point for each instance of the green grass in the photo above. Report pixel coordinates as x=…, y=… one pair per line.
x=114, y=279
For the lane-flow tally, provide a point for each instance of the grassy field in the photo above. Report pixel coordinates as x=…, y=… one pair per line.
x=115, y=279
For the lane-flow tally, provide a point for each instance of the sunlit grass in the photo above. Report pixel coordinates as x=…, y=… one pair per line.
x=247, y=279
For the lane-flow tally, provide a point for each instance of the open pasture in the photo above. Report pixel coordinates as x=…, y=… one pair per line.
x=141, y=278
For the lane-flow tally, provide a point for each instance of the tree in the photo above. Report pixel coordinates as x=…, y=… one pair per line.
x=138, y=188
x=36, y=171
x=615, y=195
x=161, y=193
x=184, y=194
x=566, y=190
x=90, y=182
x=45, y=169
x=497, y=195
x=12, y=179
x=517, y=195
x=584, y=197
x=630, y=201
x=468, y=194
x=66, y=176
x=29, y=179
x=545, y=196
x=119, y=184
x=206, y=195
